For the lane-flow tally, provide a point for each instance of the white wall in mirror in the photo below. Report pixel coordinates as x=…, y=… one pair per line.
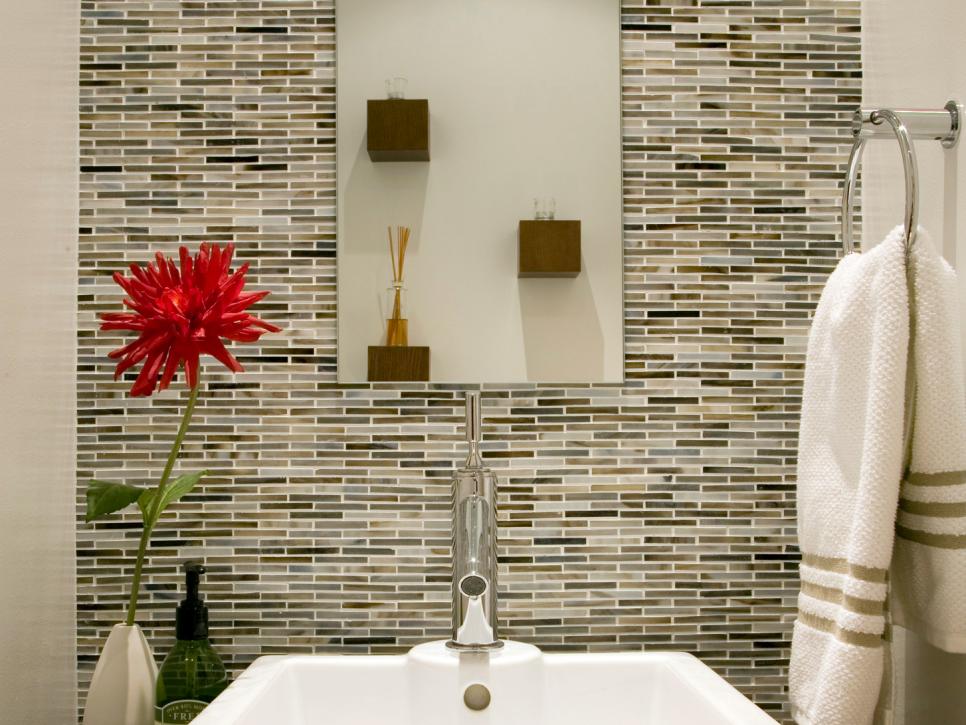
x=524, y=102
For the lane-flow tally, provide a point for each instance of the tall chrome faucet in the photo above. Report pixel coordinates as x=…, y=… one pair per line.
x=474, y=544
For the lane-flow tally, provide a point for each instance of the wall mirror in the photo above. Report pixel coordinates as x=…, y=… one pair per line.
x=491, y=132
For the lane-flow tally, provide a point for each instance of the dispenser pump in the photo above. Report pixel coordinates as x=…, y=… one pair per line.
x=192, y=675
x=192, y=616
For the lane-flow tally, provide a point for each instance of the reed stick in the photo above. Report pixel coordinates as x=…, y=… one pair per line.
x=392, y=254
x=398, y=244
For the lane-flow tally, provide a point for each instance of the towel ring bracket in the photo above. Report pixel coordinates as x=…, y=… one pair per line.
x=905, y=125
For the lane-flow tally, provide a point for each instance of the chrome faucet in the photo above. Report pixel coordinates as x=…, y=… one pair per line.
x=474, y=544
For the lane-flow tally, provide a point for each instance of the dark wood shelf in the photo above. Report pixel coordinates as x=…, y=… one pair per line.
x=549, y=248
x=397, y=129
x=398, y=363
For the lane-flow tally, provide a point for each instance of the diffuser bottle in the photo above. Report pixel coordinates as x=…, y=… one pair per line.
x=192, y=674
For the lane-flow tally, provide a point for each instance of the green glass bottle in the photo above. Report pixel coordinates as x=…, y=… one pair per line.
x=192, y=674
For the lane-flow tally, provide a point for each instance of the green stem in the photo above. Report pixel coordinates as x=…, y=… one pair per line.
x=132, y=605
x=151, y=517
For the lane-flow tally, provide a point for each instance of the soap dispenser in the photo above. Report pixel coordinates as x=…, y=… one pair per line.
x=192, y=674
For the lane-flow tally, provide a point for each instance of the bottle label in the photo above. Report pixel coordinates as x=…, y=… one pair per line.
x=179, y=711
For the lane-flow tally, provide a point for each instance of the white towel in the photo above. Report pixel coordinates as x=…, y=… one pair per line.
x=928, y=577
x=849, y=465
x=851, y=456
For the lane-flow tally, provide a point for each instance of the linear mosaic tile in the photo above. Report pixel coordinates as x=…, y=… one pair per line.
x=659, y=514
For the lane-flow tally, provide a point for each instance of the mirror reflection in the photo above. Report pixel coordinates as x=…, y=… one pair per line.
x=479, y=193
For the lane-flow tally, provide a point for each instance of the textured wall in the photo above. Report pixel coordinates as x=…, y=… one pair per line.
x=38, y=204
x=655, y=514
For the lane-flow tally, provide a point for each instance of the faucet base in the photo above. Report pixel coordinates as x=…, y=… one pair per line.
x=488, y=647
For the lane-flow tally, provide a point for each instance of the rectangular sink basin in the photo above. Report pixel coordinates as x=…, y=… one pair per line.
x=516, y=685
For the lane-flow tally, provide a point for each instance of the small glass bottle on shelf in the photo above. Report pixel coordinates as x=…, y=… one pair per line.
x=396, y=88
x=397, y=325
x=544, y=209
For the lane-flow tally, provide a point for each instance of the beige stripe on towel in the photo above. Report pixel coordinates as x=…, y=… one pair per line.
x=953, y=509
x=859, y=605
x=859, y=639
x=939, y=541
x=950, y=478
x=843, y=566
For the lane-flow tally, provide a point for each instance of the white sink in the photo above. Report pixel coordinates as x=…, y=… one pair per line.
x=427, y=687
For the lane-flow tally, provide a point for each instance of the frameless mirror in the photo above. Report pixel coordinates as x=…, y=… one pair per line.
x=490, y=130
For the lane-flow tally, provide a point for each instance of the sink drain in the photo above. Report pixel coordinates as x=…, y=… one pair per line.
x=476, y=697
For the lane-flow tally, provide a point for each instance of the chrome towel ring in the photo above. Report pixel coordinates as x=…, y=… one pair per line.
x=905, y=125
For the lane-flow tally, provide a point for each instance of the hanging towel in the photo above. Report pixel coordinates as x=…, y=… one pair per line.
x=928, y=577
x=852, y=446
x=849, y=466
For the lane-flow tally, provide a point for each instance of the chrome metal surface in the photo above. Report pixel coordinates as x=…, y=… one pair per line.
x=905, y=125
x=473, y=429
x=848, y=194
x=922, y=125
x=474, y=544
x=955, y=110
x=910, y=169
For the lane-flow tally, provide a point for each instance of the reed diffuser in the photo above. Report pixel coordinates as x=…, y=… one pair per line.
x=397, y=326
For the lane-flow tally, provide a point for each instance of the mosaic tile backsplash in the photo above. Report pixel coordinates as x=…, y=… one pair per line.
x=659, y=514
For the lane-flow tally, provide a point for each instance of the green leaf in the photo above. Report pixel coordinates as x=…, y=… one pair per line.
x=104, y=497
x=172, y=492
x=144, y=503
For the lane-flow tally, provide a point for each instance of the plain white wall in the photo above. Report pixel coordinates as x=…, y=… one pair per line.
x=38, y=232
x=524, y=101
x=913, y=57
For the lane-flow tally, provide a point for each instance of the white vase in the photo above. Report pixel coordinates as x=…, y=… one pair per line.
x=122, y=689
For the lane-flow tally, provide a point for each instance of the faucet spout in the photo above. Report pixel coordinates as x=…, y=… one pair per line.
x=474, y=545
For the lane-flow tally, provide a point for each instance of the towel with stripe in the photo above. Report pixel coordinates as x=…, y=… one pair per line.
x=928, y=577
x=883, y=352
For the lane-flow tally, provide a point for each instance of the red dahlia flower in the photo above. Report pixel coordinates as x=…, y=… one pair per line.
x=182, y=314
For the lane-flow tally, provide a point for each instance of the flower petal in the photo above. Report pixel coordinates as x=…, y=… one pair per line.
x=170, y=367
x=181, y=311
x=148, y=377
x=243, y=302
x=191, y=368
x=214, y=347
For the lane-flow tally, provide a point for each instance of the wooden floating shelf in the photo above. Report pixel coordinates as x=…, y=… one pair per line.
x=397, y=129
x=549, y=248
x=398, y=364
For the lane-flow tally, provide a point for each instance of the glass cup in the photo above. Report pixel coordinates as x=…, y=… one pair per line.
x=396, y=87
x=544, y=208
